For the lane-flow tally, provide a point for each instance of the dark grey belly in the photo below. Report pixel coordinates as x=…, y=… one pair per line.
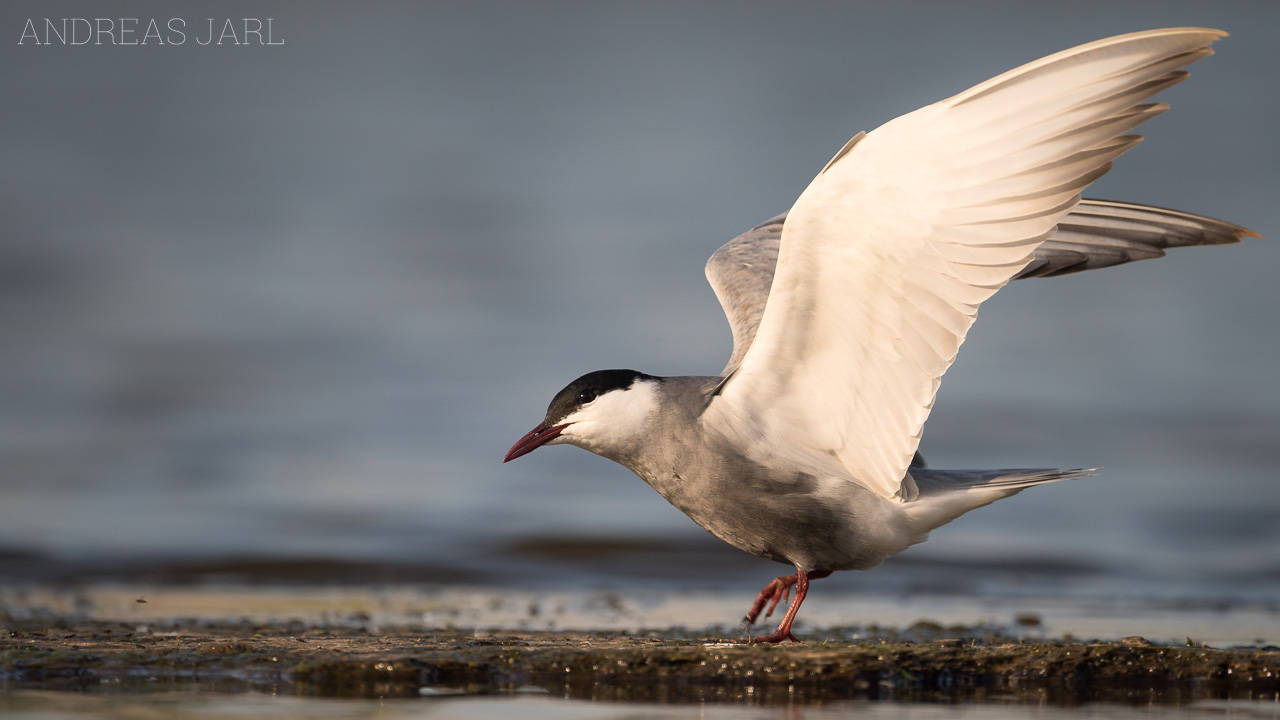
x=788, y=522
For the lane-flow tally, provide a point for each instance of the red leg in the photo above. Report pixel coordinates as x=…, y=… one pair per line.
x=777, y=591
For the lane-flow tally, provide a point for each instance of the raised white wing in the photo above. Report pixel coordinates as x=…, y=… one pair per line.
x=1095, y=234
x=887, y=254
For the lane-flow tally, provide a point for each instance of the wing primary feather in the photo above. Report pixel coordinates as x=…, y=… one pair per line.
x=1189, y=36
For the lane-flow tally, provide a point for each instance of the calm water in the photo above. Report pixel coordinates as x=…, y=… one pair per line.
x=291, y=304
x=40, y=706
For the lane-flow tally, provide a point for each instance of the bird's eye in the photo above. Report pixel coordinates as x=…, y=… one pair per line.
x=586, y=396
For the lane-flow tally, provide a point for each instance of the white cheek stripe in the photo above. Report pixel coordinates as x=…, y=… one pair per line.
x=614, y=419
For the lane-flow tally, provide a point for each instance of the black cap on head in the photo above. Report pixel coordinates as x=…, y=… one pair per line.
x=588, y=388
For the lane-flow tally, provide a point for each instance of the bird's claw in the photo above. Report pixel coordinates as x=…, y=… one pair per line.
x=779, y=595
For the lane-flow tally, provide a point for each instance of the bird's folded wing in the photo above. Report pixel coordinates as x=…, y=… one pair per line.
x=888, y=253
x=1095, y=234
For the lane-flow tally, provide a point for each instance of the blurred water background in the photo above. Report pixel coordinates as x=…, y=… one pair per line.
x=275, y=313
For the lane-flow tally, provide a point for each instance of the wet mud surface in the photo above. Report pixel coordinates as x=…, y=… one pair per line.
x=305, y=659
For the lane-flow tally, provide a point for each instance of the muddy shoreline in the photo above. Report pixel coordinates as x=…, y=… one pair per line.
x=334, y=661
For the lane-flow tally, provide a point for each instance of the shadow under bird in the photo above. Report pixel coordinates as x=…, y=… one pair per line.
x=847, y=310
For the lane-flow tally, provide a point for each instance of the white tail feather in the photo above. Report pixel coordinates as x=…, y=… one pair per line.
x=947, y=494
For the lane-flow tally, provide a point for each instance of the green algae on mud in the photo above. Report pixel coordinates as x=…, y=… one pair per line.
x=343, y=661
